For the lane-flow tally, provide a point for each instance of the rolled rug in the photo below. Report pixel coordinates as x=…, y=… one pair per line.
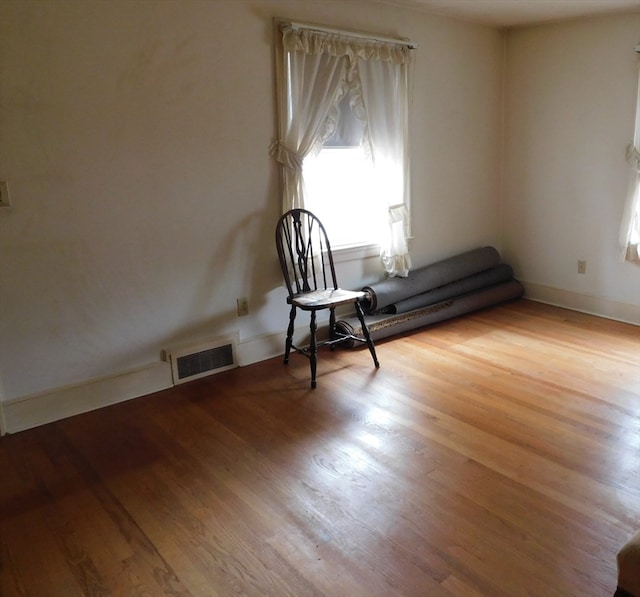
x=490, y=277
x=383, y=326
x=392, y=290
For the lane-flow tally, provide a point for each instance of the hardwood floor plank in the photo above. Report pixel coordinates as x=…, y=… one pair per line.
x=496, y=454
x=309, y=501
x=30, y=534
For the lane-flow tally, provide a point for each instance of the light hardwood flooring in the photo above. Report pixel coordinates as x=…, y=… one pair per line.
x=496, y=454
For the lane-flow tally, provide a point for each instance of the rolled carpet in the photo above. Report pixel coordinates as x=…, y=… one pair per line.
x=392, y=290
x=495, y=275
x=383, y=326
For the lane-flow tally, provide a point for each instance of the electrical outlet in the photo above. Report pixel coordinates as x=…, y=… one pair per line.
x=582, y=266
x=242, y=305
x=5, y=200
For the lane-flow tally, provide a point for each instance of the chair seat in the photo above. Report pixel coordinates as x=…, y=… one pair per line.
x=323, y=299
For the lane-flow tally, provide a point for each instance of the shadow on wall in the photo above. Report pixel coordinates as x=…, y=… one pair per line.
x=244, y=265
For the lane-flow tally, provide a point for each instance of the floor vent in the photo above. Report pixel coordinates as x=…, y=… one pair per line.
x=199, y=361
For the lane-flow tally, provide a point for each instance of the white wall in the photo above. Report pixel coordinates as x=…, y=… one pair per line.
x=570, y=101
x=135, y=142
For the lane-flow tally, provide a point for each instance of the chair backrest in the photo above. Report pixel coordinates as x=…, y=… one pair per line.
x=304, y=252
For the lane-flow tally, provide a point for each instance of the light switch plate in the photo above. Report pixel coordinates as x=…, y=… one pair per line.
x=5, y=200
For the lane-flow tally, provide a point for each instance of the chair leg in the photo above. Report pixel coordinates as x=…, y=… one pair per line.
x=313, y=349
x=289, y=341
x=367, y=336
x=332, y=326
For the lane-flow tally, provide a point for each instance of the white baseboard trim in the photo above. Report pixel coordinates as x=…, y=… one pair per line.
x=593, y=305
x=38, y=409
x=34, y=410
x=260, y=348
x=3, y=427
x=52, y=405
x=268, y=346
x=46, y=407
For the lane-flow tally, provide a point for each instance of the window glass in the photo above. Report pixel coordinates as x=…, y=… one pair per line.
x=341, y=192
x=339, y=185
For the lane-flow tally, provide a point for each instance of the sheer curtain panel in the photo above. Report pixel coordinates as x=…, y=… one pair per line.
x=382, y=87
x=630, y=228
x=310, y=84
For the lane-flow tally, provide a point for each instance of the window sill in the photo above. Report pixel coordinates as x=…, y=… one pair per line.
x=355, y=252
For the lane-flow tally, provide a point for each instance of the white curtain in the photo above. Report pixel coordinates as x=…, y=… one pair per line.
x=313, y=82
x=382, y=86
x=630, y=228
x=320, y=68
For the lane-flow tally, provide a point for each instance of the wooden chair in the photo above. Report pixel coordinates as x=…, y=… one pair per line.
x=307, y=266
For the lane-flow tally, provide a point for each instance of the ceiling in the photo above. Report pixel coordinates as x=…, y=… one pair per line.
x=514, y=13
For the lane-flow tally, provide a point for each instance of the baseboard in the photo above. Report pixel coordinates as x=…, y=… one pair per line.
x=593, y=305
x=34, y=410
x=38, y=409
x=3, y=427
x=260, y=348
x=268, y=346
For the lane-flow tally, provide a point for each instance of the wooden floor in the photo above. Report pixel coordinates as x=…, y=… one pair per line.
x=496, y=454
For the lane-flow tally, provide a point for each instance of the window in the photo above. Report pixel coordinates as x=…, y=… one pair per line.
x=343, y=135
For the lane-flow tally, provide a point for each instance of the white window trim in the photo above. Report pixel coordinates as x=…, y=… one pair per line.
x=348, y=253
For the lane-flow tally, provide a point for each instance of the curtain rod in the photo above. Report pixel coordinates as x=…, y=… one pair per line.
x=389, y=40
